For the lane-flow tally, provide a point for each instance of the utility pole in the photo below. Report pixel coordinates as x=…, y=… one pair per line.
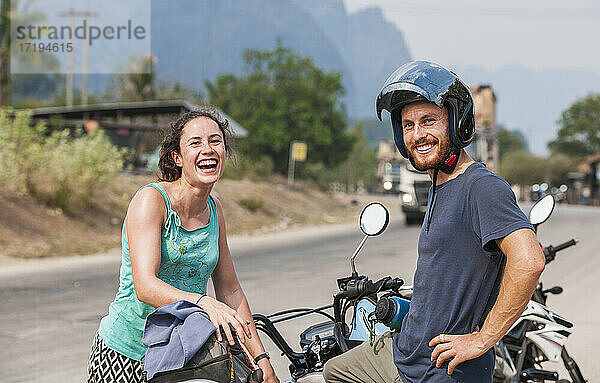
x=84, y=70
x=5, y=80
x=69, y=84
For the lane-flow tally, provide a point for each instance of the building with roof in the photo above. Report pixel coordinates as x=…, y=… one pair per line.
x=135, y=125
x=485, y=143
x=584, y=184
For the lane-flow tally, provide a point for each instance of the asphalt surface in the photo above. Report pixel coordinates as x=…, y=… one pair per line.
x=51, y=308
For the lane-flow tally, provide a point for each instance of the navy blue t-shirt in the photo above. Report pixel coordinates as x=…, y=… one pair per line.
x=459, y=270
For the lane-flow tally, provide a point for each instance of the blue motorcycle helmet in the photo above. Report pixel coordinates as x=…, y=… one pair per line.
x=427, y=81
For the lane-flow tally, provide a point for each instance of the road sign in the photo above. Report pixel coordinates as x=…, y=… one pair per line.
x=299, y=151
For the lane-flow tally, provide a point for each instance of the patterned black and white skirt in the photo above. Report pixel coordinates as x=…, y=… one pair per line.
x=108, y=366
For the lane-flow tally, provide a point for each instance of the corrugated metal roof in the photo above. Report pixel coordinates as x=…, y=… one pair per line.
x=125, y=109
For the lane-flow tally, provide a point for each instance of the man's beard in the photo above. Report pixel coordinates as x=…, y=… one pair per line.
x=442, y=152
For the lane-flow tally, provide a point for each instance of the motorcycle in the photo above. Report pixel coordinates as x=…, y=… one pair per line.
x=539, y=335
x=372, y=302
x=323, y=341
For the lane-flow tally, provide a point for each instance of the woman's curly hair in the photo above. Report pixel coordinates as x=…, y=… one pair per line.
x=168, y=170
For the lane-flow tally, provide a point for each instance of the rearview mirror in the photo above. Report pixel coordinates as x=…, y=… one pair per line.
x=374, y=219
x=542, y=210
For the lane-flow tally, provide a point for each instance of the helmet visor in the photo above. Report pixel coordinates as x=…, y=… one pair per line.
x=426, y=79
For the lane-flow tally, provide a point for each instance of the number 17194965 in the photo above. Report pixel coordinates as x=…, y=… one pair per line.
x=45, y=47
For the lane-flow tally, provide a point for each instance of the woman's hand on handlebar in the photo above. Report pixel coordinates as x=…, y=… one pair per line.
x=224, y=316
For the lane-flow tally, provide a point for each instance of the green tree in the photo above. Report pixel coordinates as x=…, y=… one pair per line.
x=510, y=141
x=557, y=167
x=29, y=86
x=579, y=135
x=285, y=97
x=33, y=90
x=137, y=85
x=359, y=167
x=5, y=53
x=60, y=98
x=140, y=84
x=524, y=168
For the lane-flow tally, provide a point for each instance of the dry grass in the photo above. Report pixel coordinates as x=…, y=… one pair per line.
x=31, y=230
x=278, y=206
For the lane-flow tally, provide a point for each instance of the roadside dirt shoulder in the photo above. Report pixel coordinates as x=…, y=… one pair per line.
x=11, y=267
x=29, y=230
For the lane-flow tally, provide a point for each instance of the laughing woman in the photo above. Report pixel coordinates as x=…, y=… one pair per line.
x=173, y=240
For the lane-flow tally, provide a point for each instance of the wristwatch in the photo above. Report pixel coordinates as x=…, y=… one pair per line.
x=262, y=356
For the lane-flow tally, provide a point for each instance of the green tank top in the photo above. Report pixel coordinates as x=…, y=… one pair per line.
x=187, y=260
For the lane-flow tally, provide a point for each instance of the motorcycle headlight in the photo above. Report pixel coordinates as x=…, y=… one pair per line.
x=407, y=198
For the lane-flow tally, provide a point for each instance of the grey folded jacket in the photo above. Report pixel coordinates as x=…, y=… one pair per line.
x=174, y=333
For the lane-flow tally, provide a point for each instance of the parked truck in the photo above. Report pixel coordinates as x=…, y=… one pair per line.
x=396, y=175
x=413, y=191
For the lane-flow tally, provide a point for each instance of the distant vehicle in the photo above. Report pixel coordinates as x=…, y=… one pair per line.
x=413, y=187
x=390, y=181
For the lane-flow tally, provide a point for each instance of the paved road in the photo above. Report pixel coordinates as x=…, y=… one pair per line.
x=51, y=309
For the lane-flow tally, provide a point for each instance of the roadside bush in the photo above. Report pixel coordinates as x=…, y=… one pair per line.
x=524, y=168
x=57, y=169
x=251, y=204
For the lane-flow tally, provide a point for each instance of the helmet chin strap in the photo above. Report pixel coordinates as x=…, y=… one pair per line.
x=431, y=204
x=447, y=167
x=450, y=162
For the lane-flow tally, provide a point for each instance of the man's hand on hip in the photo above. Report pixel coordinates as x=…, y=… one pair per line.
x=458, y=348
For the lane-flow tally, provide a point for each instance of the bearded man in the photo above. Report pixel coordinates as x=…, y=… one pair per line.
x=479, y=260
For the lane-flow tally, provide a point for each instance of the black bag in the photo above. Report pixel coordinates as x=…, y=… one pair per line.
x=217, y=361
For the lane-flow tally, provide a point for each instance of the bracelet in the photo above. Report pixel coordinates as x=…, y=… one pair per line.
x=262, y=356
x=202, y=296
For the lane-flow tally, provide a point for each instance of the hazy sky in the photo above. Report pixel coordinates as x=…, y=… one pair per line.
x=539, y=34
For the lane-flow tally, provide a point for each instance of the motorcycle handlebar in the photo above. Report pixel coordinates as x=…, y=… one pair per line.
x=355, y=288
x=563, y=246
x=351, y=288
x=392, y=284
x=265, y=325
x=550, y=251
